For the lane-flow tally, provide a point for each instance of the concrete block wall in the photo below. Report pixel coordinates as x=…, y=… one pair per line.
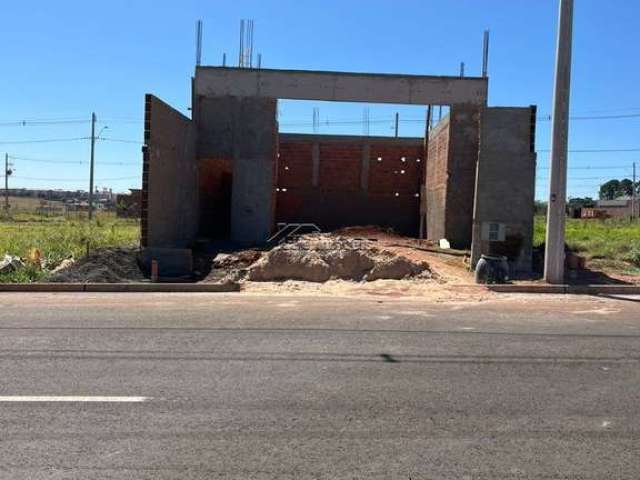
x=461, y=173
x=339, y=181
x=169, y=178
x=243, y=129
x=505, y=184
x=450, y=178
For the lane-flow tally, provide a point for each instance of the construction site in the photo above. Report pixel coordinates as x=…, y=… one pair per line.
x=227, y=179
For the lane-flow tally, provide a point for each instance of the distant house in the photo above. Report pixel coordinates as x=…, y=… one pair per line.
x=618, y=208
x=128, y=205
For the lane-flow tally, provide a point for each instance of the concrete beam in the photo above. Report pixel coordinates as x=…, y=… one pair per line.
x=340, y=86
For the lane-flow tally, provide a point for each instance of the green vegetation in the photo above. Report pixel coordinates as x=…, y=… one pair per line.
x=54, y=239
x=612, y=244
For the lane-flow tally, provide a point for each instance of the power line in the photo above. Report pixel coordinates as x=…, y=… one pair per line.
x=120, y=140
x=598, y=150
x=44, y=140
x=617, y=167
x=42, y=179
x=71, y=162
x=547, y=118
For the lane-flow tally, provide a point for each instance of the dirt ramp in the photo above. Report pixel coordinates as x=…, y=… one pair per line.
x=323, y=257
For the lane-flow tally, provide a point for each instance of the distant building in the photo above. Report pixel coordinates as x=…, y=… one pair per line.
x=619, y=208
x=128, y=204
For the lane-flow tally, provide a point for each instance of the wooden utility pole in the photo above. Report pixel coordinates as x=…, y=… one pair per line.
x=554, y=254
x=93, y=148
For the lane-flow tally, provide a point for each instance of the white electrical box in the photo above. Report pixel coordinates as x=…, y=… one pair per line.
x=493, y=231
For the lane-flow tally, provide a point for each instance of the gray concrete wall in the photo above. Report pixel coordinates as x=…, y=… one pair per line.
x=340, y=86
x=245, y=130
x=171, y=177
x=505, y=184
x=461, y=174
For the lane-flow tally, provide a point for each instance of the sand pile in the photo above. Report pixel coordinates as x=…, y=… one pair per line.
x=107, y=265
x=322, y=257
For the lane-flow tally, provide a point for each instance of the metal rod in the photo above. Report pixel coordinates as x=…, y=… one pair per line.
x=224, y=59
x=198, y=42
x=554, y=254
x=485, y=54
x=241, y=54
x=397, y=122
x=461, y=69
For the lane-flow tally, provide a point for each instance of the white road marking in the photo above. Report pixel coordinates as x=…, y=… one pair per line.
x=71, y=398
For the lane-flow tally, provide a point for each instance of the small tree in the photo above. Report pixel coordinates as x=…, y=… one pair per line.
x=626, y=187
x=610, y=190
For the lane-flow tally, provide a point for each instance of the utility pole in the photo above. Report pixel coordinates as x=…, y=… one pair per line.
x=633, y=193
x=397, y=122
x=93, y=148
x=6, y=183
x=554, y=254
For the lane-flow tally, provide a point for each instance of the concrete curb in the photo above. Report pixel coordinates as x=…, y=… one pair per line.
x=120, y=287
x=568, y=289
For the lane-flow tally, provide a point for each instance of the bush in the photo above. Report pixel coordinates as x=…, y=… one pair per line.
x=634, y=255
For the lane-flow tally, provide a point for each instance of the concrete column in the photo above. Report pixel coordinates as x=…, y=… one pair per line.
x=315, y=159
x=364, y=167
x=554, y=254
x=254, y=149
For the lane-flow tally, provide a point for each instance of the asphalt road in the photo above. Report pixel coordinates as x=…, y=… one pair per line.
x=243, y=386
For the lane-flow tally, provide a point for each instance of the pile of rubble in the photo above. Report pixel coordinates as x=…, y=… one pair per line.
x=319, y=258
x=105, y=265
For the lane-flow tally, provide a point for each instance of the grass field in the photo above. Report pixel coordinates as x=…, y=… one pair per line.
x=610, y=244
x=29, y=203
x=57, y=238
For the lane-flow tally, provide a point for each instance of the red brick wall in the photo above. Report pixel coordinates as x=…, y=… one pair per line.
x=342, y=197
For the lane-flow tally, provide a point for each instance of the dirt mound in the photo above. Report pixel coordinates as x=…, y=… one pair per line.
x=322, y=257
x=232, y=266
x=108, y=265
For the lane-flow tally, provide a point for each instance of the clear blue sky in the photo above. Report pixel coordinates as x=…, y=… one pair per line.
x=61, y=60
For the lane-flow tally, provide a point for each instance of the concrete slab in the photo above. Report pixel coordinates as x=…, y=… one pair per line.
x=340, y=86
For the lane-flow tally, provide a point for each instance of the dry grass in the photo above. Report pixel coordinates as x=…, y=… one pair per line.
x=57, y=238
x=612, y=244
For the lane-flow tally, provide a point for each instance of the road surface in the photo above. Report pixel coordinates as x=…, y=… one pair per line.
x=201, y=386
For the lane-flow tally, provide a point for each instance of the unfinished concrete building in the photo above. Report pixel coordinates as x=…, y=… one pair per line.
x=227, y=173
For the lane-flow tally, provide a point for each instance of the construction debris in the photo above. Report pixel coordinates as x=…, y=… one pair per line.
x=11, y=263
x=323, y=257
x=102, y=265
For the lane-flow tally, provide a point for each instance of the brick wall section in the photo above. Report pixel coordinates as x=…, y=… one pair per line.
x=436, y=179
x=387, y=198
x=144, y=202
x=451, y=174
